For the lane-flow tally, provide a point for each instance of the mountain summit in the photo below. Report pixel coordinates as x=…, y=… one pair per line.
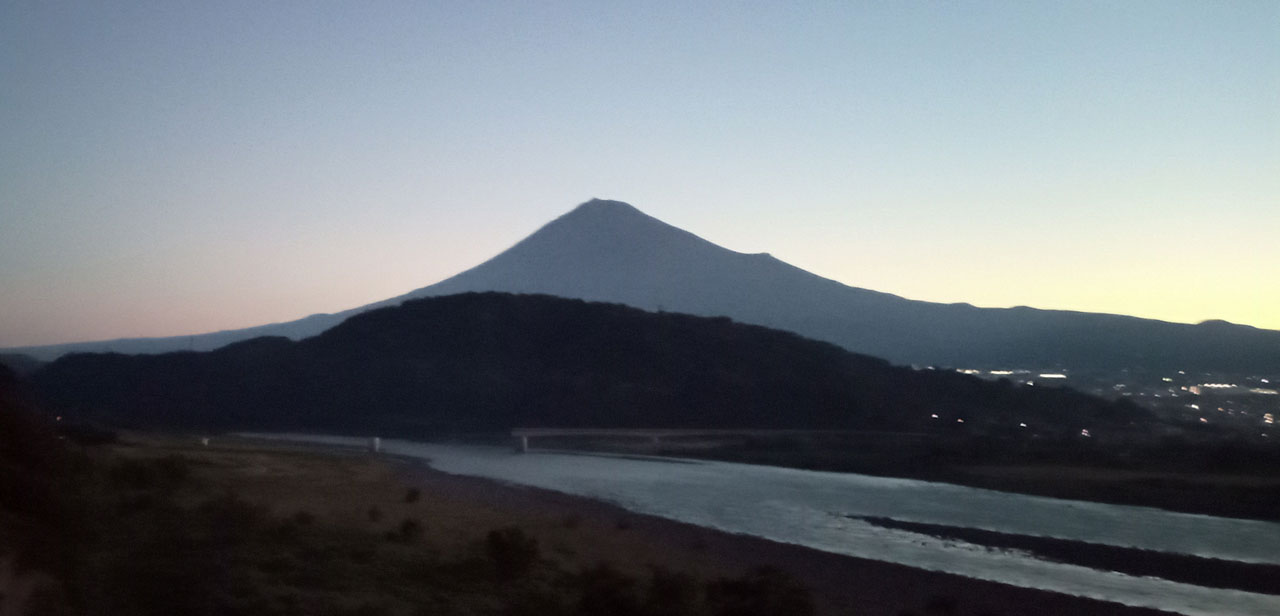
x=610, y=251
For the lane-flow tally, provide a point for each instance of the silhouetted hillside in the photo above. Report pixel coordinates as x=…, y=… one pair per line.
x=32, y=465
x=491, y=361
x=20, y=364
x=28, y=444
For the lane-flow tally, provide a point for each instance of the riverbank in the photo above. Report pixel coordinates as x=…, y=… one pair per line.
x=338, y=486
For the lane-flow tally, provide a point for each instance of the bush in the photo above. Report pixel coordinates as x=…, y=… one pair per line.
x=512, y=552
x=412, y=495
x=409, y=530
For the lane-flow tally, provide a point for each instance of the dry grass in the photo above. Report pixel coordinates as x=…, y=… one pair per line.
x=326, y=530
x=337, y=558
x=340, y=488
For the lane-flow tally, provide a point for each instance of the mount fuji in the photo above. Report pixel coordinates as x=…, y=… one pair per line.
x=612, y=252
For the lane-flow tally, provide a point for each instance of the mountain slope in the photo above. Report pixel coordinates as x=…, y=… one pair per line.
x=610, y=251
x=488, y=362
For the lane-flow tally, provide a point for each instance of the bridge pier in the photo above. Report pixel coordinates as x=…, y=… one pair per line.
x=523, y=445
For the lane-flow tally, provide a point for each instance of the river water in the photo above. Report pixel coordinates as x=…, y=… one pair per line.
x=814, y=509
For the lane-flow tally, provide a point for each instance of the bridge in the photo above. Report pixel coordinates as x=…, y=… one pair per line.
x=655, y=435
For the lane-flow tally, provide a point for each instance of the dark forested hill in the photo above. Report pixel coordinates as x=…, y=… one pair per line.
x=490, y=361
x=19, y=364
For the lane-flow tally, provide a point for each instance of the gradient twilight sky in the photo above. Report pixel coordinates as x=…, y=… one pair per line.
x=170, y=168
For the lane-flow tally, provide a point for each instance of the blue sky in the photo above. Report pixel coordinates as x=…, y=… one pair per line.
x=170, y=168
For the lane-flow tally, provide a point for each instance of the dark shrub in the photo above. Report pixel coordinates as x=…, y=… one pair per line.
x=412, y=495
x=409, y=530
x=512, y=552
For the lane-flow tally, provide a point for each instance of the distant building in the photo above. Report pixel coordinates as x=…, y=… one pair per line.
x=1219, y=389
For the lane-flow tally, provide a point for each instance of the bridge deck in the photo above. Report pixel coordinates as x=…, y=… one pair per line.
x=522, y=435
x=644, y=432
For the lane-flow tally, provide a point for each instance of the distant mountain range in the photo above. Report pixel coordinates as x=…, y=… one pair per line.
x=491, y=361
x=611, y=252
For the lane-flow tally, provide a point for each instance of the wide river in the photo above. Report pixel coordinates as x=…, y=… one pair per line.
x=814, y=509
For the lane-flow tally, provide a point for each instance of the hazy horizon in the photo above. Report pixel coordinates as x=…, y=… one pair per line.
x=179, y=170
